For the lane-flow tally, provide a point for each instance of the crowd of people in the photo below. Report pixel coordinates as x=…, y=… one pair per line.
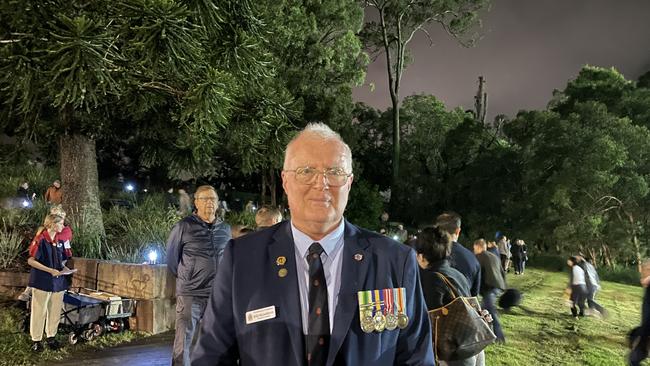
x=314, y=289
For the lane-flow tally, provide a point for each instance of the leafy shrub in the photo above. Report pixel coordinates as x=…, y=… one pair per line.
x=620, y=274
x=38, y=177
x=11, y=246
x=245, y=218
x=130, y=233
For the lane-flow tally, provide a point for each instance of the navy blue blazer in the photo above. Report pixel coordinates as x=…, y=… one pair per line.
x=248, y=280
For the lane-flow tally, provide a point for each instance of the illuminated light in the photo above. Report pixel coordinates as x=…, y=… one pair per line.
x=395, y=237
x=129, y=187
x=25, y=203
x=145, y=190
x=152, y=256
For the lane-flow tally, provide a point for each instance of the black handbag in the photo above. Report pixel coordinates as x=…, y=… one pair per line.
x=459, y=329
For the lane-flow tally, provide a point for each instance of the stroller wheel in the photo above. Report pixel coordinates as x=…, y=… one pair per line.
x=88, y=334
x=73, y=338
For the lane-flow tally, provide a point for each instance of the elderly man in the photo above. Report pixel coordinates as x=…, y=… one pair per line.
x=316, y=290
x=194, y=249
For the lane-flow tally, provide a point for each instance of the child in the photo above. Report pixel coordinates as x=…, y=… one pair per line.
x=47, y=257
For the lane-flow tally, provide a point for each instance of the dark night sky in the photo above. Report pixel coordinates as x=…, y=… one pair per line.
x=528, y=49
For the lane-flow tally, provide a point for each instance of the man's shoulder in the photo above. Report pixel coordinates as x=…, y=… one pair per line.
x=376, y=241
x=459, y=252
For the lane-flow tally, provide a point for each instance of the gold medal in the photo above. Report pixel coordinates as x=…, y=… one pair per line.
x=282, y=272
x=400, y=297
x=281, y=260
x=402, y=320
x=367, y=324
x=379, y=322
x=365, y=311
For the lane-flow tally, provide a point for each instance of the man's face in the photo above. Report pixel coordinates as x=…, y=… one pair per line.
x=206, y=203
x=318, y=203
x=57, y=185
x=477, y=249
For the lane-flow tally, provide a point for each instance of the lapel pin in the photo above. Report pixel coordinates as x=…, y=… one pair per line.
x=358, y=257
x=282, y=272
x=281, y=260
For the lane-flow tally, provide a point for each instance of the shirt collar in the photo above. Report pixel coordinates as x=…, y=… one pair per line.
x=329, y=242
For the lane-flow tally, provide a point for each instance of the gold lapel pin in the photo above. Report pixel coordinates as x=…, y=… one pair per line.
x=358, y=257
x=281, y=260
x=282, y=272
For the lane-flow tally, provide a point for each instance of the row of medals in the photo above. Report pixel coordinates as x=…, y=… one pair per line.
x=378, y=322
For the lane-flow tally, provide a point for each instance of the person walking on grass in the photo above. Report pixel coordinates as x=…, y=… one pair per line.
x=47, y=257
x=519, y=256
x=492, y=284
x=593, y=285
x=578, y=286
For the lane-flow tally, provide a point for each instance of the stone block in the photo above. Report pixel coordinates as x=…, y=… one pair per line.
x=136, y=281
x=154, y=315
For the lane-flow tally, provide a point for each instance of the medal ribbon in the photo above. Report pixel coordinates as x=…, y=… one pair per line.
x=389, y=300
x=400, y=299
x=376, y=300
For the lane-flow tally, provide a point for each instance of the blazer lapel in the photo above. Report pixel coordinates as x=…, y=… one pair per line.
x=283, y=246
x=355, y=262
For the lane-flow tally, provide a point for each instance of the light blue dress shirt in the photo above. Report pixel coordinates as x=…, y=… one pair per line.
x=332, y=260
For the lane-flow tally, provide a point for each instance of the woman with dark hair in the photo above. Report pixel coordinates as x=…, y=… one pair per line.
x=433, y=247
x=578, y=285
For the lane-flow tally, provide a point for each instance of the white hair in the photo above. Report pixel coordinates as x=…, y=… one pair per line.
x=323, y=132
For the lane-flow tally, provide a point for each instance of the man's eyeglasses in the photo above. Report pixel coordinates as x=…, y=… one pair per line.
x=206, y=199
x=336, y=177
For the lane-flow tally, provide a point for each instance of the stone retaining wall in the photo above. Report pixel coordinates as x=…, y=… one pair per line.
x=152, y=286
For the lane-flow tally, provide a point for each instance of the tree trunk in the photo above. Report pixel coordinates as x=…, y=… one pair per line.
x=81, y=192
x=263, y=188
x=396, y=137
x=273, y=187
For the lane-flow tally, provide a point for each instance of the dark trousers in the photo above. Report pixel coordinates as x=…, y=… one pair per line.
x=578, y=298
x=489, y=301
x=520, y=263
x=189, y=311
x=638, y=353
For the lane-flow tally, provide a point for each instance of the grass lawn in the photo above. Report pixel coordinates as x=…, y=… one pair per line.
x=542, y=331
x=15, y=345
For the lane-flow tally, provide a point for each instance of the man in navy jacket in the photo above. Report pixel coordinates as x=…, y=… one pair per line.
x=194, y=248
x=260, y=311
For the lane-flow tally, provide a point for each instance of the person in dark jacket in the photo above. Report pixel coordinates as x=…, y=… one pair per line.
x=47, y=257
x=642, y=334
x=433, y=248
x=593, y=285
x=492, y=248
x=519, y=256
x=461, y=258
x=492, y=283
x=194, y=248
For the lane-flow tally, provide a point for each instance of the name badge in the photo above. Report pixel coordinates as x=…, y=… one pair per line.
x=259, y=315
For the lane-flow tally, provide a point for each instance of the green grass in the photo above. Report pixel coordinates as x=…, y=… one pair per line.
x=542, y=331
x=15, y=345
